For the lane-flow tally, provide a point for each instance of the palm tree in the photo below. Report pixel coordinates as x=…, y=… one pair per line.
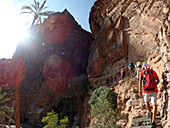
x=36, y=10
x=19, y=77
x=4, y=109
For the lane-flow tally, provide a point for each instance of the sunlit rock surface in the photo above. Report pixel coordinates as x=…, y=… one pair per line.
x=128, y=30
x=122, y=29
x=9, y=69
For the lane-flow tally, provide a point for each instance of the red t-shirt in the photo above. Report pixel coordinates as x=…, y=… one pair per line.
x=155, y=75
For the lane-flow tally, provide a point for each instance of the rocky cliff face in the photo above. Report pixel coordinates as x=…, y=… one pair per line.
x=122, y=29
x=55, y=59
x=128, y=30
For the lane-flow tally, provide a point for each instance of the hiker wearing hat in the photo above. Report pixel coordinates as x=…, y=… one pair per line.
x=138, y=69
x=148, y=81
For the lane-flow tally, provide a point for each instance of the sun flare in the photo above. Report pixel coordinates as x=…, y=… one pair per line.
x=12, y=30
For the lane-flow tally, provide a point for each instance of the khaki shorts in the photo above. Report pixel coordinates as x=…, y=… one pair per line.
x=153, y=97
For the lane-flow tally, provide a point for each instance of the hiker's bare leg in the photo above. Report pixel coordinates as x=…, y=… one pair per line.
x=154, y=112
x=148, y=107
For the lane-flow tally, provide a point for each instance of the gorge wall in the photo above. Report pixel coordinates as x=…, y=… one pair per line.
x=122, y=29
x=55, y=58
x=128, y=30
x=56, y=64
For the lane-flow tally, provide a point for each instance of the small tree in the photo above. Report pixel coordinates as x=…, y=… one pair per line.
x=52, y=121
x=103, y=104
x=37, y=11
x=4, y=109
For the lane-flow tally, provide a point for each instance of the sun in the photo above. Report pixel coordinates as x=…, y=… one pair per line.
x=12, y=30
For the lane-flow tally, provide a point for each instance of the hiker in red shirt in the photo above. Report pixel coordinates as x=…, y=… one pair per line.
x=148, y=81
x=122, y=73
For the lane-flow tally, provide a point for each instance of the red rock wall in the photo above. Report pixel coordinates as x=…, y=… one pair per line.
x=127, y=30
x=122, y=29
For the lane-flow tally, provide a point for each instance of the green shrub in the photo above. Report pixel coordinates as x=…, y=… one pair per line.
x=52, y=121
x=103, y=104
x=5, y=111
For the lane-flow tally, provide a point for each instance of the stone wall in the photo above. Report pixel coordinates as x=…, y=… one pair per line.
x=160, y=62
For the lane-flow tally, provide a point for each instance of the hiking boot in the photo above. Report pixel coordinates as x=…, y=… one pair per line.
x=149, y=115
x=153, y=124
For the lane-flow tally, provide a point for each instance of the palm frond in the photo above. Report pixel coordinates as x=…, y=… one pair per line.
x=35, y=2
x=43, y=4
x=5, y=116
x=36, y=8
x=27, y=12
x=26, y=7
x=38, y=5
x=9, y=118
x=44, y=8
x=4, y=109
x=3, y=95
x=33, y=6
x=2, y=119
x=4, y=101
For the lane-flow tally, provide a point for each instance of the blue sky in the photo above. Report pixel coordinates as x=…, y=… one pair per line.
x=79, y=9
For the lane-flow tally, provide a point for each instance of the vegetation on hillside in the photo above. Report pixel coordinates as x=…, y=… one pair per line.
x=66, y=115
x=52, y=121
x=5, y=111
x=103, y=104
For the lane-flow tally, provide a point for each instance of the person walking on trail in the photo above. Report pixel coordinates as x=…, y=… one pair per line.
x=122, y=73
x=131, y=67
x=115, y=79
x=138, y=69
x=148, y=81
x=107, y=81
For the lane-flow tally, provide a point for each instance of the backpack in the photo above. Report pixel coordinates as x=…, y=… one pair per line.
x=148, y=80
x=131, y=66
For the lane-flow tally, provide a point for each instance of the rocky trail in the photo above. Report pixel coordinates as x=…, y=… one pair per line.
x=133, y=106
x=144, y=122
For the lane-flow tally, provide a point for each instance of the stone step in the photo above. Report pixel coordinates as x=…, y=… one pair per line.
x=141, y=119
x=145, y=122
x=149, y=126
x=159, y=125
